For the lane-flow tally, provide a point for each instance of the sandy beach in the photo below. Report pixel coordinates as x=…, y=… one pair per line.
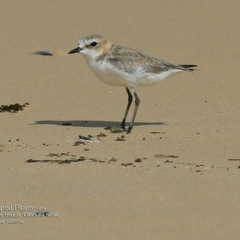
x=174, y=177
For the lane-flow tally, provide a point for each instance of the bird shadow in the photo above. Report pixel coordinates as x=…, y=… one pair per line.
x=91, y=123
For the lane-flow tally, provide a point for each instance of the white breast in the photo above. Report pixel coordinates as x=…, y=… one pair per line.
x=108, y=74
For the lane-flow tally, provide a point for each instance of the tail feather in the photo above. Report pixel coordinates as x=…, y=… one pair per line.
x=188, y=67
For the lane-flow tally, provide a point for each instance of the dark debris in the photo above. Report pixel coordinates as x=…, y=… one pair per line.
x=68, y=161
x=13, y=108
x=122, y=138
x=165, y=156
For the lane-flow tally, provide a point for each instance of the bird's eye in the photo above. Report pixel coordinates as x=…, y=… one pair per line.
x=93, y=44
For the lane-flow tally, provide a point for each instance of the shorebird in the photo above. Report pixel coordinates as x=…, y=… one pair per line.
x=126, y=67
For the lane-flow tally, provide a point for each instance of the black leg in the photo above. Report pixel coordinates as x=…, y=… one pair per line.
x=137, y=103
x=130, y=98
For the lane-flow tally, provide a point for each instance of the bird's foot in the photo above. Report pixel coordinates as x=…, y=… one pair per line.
x=116, y=129
x=129, y=129
x=119, y=129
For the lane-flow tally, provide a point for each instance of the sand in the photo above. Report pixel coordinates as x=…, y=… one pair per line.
x=174, y=177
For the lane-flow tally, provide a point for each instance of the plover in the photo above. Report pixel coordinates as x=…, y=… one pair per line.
x=126, y=67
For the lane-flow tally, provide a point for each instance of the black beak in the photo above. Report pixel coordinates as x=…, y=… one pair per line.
x=75, y=50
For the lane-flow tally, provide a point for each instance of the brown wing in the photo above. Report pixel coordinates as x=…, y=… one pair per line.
x=129, y=60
